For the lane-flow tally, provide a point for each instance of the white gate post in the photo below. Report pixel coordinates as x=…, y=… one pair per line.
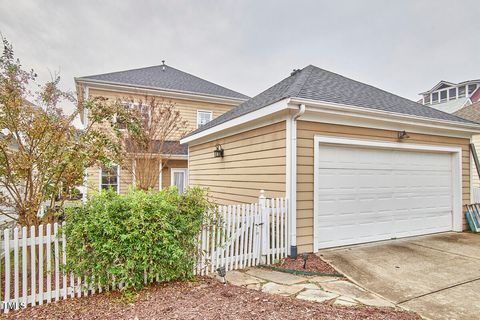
x=262, y=203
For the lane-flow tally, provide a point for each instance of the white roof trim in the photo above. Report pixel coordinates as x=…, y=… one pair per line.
x=380, y=114
x=115, y=86
x=438, y=86
x=353, y=110
x=265, y=111
x=452, y=84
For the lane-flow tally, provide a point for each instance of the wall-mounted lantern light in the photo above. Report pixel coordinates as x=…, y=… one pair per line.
x=218, y=152
x=403, y=135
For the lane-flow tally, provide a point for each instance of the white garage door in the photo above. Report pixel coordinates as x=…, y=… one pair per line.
x=366, y=194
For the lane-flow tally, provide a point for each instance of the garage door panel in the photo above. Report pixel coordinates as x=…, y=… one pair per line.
x=367, y=194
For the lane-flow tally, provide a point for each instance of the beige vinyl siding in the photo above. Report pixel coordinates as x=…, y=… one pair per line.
x=305, y=133
x=93, y=178
x=253, y=160
x=188, y=108
x=126, y=175
x=166, y=172
x=475, y=178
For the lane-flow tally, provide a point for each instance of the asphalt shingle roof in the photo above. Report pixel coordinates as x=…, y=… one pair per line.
x=470, y=112
x=160, y=147
x=318, y=84
x=167, y=78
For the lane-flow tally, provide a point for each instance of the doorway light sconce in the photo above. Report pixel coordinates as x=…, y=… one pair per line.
x=403, y=135
x=218, y=152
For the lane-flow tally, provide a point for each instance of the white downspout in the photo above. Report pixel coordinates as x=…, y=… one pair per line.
x=293, y=181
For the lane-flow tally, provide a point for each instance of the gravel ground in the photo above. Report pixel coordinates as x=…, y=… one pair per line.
x=314, y=264
x=204, y=299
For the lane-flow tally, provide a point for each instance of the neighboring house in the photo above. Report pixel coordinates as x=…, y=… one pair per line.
x=461, y=99
x=357, y=163
x=472, y=112
x=199, y=101
x=451, y=97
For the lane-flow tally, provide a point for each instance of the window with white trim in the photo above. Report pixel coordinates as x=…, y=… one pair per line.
x=109, y=178
x=203, y=117
x=443, y=95
x=143, y=109
x=179, y=179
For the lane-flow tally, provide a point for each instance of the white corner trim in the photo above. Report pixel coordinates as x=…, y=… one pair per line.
x=456, y=167
x=263, y=112
x=86, y=94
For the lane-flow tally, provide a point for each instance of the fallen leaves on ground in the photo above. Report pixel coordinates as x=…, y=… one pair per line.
x=203, y=299
x=314, y=264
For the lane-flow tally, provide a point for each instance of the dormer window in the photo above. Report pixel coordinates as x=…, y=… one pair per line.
x=471, y=88
x=461, y=91
x=452, y=93
x=443, y=95
x=426, y=98
x=435, y=97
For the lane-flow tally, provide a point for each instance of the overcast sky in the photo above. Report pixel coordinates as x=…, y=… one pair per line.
x=404, y=47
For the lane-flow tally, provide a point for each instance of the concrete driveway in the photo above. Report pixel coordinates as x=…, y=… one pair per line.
x=438, y=276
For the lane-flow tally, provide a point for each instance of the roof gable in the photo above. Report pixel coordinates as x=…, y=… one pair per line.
x=440, y=85
x=318, y=84
x=164, y=77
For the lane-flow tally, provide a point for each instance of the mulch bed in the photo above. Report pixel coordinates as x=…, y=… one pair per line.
x=204, y=299
x=314, y=264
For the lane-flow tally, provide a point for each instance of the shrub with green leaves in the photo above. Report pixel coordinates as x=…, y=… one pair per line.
x=141, y=234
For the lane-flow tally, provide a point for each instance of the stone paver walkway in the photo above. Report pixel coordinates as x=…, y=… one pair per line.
x=332, y=290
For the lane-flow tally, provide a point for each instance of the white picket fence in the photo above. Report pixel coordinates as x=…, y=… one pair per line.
x=31, y=262
x=252, y=234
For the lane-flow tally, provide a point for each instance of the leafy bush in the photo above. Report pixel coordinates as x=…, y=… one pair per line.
x=128, y=237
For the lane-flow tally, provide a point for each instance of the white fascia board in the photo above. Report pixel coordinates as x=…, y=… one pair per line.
x=260, y=113
x=113, y=86
x=388, y=117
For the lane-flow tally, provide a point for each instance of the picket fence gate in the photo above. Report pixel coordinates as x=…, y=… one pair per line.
x=252, y=234
x=31, y=259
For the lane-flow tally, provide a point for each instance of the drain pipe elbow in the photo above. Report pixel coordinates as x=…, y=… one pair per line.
x=301, y=111
x=293, y=181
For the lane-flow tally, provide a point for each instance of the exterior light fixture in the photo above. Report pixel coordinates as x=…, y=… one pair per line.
x=403, y=135
x=218, y=152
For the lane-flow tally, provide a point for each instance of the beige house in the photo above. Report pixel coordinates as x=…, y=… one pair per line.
x=357, y=164
x=199, y=101
x=472, y=112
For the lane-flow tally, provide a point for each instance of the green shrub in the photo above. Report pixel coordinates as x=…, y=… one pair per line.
x=124, y=236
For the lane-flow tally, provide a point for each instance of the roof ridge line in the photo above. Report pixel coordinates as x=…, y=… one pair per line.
x=300, y=82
